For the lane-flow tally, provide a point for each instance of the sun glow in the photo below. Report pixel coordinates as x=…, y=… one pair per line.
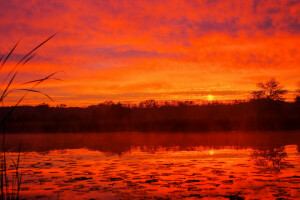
x=210, y=97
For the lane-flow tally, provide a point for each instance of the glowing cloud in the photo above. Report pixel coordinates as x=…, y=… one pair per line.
x=137, y=50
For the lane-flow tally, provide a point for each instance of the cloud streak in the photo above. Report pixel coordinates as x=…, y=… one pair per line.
x=187, y=44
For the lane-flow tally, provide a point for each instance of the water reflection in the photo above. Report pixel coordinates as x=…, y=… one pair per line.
x=271, y=160
x=120, y=143
x=159, y=166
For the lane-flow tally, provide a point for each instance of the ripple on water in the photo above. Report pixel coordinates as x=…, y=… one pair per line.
x=145, y=176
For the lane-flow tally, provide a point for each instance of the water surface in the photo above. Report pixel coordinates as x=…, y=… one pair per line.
x=232, y=165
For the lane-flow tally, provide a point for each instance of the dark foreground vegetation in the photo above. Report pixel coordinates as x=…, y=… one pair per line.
x=256, y=114
x=10, y=186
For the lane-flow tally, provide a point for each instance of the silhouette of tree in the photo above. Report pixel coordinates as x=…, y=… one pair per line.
x=148, y=104
x=271, y=90
x=151, y=116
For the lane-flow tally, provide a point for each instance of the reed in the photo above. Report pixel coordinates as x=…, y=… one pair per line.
x=10, y=185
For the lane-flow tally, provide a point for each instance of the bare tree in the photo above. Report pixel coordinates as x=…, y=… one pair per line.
x=271, y=90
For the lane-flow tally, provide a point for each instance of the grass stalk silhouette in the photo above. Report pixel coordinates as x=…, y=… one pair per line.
x=10, y=189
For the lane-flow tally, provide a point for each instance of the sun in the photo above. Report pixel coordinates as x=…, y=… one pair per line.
x=210, y=97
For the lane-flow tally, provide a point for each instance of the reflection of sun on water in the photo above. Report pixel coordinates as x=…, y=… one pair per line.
x=210, y=97
x=241, y=168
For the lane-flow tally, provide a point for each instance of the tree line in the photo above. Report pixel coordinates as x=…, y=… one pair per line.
x=266, y=110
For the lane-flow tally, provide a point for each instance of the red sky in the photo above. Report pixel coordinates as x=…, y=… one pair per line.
x=165, y=50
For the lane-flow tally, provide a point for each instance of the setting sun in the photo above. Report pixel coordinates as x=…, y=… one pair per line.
x=210, y=97
x=161, y=99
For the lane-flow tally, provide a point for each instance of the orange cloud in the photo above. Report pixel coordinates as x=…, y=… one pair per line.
x=136, y=50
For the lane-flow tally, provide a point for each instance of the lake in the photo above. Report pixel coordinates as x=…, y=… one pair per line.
x=229, y=165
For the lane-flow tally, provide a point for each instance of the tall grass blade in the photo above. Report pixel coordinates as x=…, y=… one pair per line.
x=28, y=59
x=38, y=46
x=7, y=87
x=42, y=79
x=11, y=110
x=36, y=91
x=8, y=55
x=38, y=81
x=20, y=100
x=16, y=179
x=28, y=54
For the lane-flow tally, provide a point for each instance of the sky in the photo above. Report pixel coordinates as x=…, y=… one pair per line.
x=130, y=51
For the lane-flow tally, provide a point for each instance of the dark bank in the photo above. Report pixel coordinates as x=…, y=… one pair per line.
x=256, y=114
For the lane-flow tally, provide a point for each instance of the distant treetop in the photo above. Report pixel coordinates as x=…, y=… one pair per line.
x=271, y=90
